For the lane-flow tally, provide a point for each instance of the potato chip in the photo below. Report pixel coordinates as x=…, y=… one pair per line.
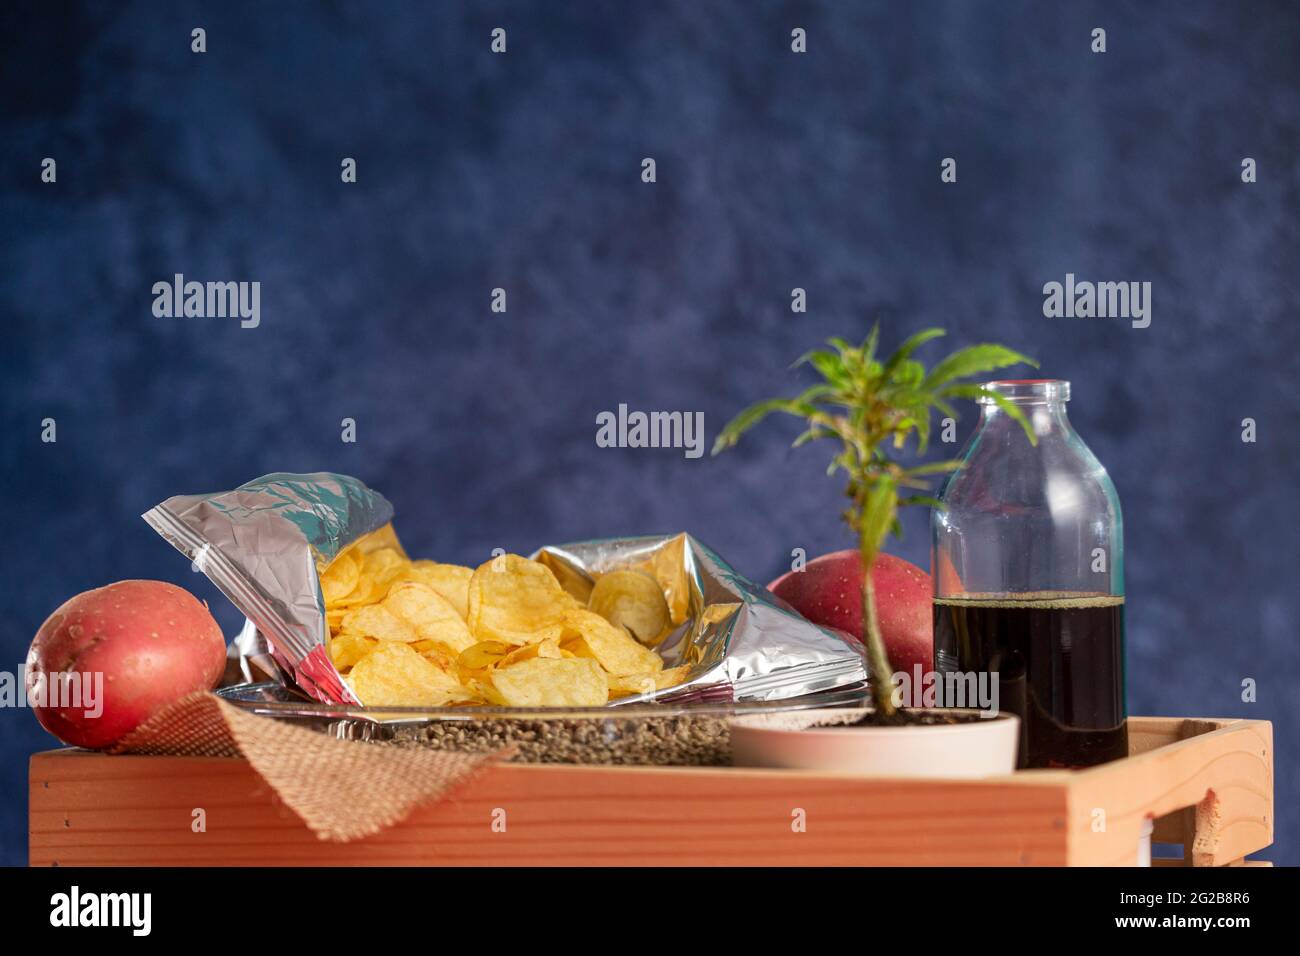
x=383, y=565
x=480, y=686
x=550, y=682
x=577, y=584
x=482, y=655
x=375, y=620
x=668, y=567
x=342, y=575
x=349, y=647
x=588, y=634
x=554, y=632
x=547, y=648
x=513, y=632
x=385, y=537
x=672, y=676
x=630, y=684
x=394, y=675
x=359, y=595
x=516, y=601
x=670, y=571
x=376, y=573
x=449, y=580
x=631, y=600
x=437, y=654
x=430, y=614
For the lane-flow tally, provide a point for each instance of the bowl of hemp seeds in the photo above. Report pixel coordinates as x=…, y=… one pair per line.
x=646, y=734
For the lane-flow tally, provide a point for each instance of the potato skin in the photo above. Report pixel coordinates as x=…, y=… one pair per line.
x=828, y=591
x=151, y=641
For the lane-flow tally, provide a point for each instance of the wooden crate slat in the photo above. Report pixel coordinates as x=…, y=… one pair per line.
x=563, y=815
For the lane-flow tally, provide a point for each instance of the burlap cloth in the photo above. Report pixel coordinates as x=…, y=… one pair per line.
x=341, y=789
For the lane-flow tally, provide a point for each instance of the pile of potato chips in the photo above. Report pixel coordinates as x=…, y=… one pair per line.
x=424, y=634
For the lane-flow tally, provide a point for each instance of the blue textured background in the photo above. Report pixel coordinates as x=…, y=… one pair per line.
x=775, y=170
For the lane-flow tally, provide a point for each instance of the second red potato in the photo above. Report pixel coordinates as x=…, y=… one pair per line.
x=828, y=591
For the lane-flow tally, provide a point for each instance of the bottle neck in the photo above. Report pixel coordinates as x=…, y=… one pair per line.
x=1046, y=418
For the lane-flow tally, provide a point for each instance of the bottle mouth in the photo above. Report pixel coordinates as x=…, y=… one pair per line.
x=1028, y=391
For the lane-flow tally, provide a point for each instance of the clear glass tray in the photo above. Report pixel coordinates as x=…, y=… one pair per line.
x=658, y=734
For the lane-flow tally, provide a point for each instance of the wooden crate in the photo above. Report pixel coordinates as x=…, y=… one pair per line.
x=1208, y=784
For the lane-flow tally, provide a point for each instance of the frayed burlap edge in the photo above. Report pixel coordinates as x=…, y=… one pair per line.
x=341, y=789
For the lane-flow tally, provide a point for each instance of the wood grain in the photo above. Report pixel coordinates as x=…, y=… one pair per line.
x=89, y=809
x=1222, y=769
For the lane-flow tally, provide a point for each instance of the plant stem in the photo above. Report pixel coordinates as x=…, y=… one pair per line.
x=878, y=667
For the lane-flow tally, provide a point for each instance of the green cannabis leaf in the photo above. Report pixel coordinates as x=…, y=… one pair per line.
x=868, y=406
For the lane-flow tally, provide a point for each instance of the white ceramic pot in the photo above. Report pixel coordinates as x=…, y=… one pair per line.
x=819, y=740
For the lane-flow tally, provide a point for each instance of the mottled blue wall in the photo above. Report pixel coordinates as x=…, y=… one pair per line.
x=521, y=171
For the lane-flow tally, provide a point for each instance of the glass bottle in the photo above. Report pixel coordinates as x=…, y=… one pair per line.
x=1028, y=564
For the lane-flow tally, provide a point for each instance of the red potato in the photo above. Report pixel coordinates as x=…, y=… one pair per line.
x=828, y=591
x=135, y=647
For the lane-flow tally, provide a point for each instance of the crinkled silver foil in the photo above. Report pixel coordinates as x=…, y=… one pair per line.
x=756, y=647
x=264, y=544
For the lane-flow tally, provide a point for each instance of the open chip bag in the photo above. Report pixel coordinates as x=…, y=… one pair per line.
x=313, y=561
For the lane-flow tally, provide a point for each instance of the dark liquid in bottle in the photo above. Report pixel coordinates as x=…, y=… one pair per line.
x=1060, y=666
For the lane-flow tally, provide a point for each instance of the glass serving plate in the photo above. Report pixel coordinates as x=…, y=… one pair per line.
x=657, y=734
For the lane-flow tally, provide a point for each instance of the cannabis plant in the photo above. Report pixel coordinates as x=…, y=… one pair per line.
x=871, y=407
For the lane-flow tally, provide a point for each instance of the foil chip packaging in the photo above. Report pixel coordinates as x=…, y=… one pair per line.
x=266, y=543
